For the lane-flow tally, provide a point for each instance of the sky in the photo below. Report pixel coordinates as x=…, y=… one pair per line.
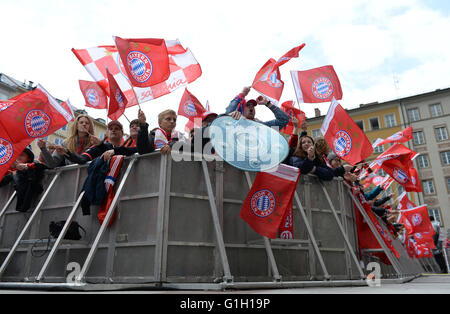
x=381, y=50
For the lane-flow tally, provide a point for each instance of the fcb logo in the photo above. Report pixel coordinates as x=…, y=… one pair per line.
x=286, y=235
x=322, y=88
x=140, y=66
x=262, y=203
x=189, y=109
x=93, y=97
x=419, y=236
x=400, y=176
x=409, y=206
x=342, y=143
x=272, y=80
x=6, y=151
x=416, y=220
x=37, y=123
x=119, y=98
x=291, y=114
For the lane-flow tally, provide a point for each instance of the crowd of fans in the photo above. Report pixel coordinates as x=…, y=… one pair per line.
x=311, y=156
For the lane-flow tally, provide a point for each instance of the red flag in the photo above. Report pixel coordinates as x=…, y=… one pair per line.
x=286, y=230
x=399, y=137
x=316, y=85
x=268, y=79
x=291, y=111
x=366, y=238
x=117, y=100
x=145, y=60
x=419, y=219
x=404, y=202
x=425, y=238
x=184, y=69
x=269, y=198
x=190, y=107
x=94, y=95
x=344, y=136
x=29, y=116
x=397, y=162
x=387, y=182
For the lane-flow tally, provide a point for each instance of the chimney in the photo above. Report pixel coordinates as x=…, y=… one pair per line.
x=317, y=112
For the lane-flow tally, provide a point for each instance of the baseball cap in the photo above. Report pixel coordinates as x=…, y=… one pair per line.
x=115, y=122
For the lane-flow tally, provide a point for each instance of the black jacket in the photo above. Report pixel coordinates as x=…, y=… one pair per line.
x=97, y=151
x=145, y=140
x=28, y=185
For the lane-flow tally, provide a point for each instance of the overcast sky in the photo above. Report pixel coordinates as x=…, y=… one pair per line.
x=381, y=50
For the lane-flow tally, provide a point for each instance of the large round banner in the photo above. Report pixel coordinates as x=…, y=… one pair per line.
x=247, y=145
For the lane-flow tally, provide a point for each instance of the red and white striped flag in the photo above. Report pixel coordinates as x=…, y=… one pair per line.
x=184, y=69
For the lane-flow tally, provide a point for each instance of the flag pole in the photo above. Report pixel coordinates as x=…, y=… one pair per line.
x=126, y=117
x=135, y=96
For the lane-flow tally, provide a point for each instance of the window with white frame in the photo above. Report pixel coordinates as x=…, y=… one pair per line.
x=413, y=115
x=423, y=161
x=316, y=133
x=378, y=149
x=436, y=214
x=360, y=123
x=428, y=187
x=445, y=157
x=390, y=120
x=441, y=133
x=436, y=110
x=374, y=123
x=419, y=138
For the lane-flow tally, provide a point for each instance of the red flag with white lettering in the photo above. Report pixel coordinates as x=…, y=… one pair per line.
x=399, y=137
x=269, y=199
x=344, y=136
x=268, y=79
x=94, y=95
x=316, y=85
x=29, y=116
x=291, y=111
x=425, y=238
x=117, y=100
x=145, y=60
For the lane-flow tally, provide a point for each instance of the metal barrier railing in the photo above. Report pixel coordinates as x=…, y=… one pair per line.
x=161, y=239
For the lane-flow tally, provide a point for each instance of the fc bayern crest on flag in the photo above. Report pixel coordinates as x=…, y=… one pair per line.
x=273, y=79
x=189, y=109
x=160, y=144
x=140, y=66
x=322, y=88
x=6, y=151
x=416, y=220
x=93, y=97
x=37, y=123
x=119, y=98
x=400, y=176
x=342, y=143
x=263, y=203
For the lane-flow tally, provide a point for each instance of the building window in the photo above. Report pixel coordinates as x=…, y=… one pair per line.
x=360, y=123
x=448, y=183
x=419, y=139
x=436, y=110
x=413, y=115
x=445, y=157
x=390, y=120
x=441, y=134
x=378, y=149
x=436, y=214
x=428, y=187
x=423, y=161
x=374, y=124
x=316, y=133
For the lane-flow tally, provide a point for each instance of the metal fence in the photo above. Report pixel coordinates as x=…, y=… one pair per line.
x=177, y=225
